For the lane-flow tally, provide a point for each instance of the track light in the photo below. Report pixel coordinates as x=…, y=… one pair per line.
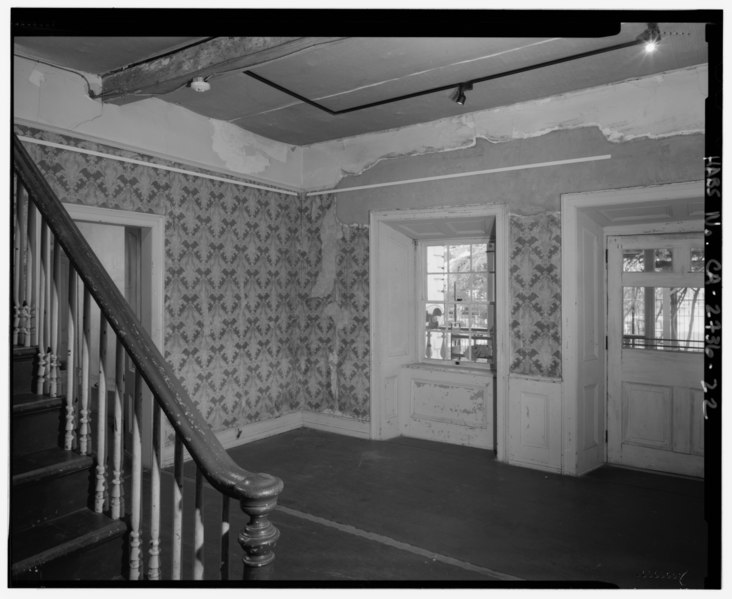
x=459, y=95
x=650, y=38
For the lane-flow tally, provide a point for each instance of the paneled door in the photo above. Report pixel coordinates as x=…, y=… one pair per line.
x=655, y=352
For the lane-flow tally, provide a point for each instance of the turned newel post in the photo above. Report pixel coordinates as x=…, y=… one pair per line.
x=259, y=536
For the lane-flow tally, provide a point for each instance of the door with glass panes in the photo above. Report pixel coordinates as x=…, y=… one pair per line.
x=656, y=352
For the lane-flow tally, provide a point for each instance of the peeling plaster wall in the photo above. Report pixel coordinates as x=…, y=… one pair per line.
x=652, y=107
x=334, y=312
x=52, y=98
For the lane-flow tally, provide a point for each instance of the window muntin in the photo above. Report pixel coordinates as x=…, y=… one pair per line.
x=459, y=302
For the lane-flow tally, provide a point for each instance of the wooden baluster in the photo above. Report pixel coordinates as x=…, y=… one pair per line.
x=71, y=362
x=101, y=482
x=177, y=508
x=117, y=448
x=153, y=562
x=84, y=426
x=34, y=273
x=198, y=536
x=136, y=510
x=53, y=347
x=47, y=305
x=20, y=232
x=40, y=315
x=258, y=539
x=25, y=266
x=225, y=526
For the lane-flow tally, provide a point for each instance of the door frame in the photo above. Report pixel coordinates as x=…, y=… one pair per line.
x=571, y=204
x=152, y=277
x=379, y=220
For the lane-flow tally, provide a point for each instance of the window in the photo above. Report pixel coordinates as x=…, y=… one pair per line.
x=663, y=318
x=663, y=293
x=458, y=301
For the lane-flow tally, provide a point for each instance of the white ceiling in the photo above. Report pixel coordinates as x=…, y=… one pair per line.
x=358, y=70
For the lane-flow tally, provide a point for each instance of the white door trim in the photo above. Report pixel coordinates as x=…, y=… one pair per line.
x=379, y=220
x=570, y=205
x=153, y=245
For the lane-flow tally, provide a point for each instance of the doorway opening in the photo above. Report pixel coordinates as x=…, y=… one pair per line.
x=597, y=412
x=131, y=247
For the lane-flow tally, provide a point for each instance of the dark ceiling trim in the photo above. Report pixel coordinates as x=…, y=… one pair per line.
x=433, y=90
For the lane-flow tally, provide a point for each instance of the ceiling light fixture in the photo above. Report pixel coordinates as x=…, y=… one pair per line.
x=199, y=84
x=459, y=95
x=649, y=38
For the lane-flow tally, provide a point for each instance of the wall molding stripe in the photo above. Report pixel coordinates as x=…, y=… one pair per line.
x=161, y=167
x=489, y=171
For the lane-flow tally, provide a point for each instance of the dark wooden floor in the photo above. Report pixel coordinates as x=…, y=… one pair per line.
x=412, y=511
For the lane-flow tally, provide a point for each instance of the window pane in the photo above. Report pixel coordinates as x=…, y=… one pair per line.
x=480, y=258
x=435, y=316
x=482, y=287
x=459, y=258
x=651, y=260
x=663, y=318
x=436, y=288
x=459, y=287
x=435, y=258
x=697, y=260
x=436, y=347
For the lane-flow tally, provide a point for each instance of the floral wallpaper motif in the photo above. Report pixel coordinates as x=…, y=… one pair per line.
x=334, y=341
x=231, y=277
x=536, y=295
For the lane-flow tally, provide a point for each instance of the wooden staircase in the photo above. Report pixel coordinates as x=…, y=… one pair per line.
x=55, y=535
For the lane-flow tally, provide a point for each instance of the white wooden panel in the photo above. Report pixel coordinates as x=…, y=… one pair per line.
x=453, y=404
x=682, y=422
x=590, y=282
x=647, y=415
x=535, y=423
x=534, y=420
x=391, y=400
x=697, y=422
x=675, y=369
x=590, y=406
x=447, y=405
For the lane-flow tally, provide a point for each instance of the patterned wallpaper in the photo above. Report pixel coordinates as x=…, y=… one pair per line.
x=242, y=330
x=231, y=278
x=536, y=295
x=334, y=340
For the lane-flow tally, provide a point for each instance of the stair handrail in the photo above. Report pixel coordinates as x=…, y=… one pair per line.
x=256, y=492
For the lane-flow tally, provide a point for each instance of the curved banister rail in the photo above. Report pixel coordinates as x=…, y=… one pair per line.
x=256, y=492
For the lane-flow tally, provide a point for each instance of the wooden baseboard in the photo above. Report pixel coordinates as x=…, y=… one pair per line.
x=233, y=437
x=336, y=424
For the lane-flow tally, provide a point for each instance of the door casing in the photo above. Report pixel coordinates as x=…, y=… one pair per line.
x=574, y=428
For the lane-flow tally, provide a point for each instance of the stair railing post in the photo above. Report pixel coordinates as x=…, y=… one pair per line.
x=71, y=363
x=258, y=538
x=40, y=314
x=54, y=320
x=101, y=454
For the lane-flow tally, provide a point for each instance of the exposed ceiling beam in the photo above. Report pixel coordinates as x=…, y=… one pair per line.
x=169, y=72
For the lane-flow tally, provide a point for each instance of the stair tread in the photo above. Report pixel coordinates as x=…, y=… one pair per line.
x=48, y=462
x=55, y=538
x=22, y=350
x=28, y=402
